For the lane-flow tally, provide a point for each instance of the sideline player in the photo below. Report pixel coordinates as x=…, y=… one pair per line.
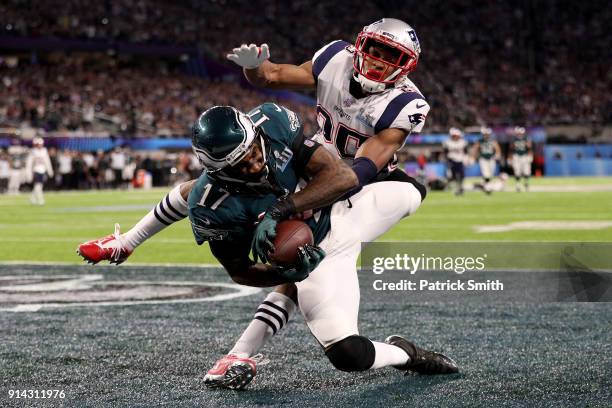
x=248, y=161
x=487, y=152
x=38, y=168
x=366, y=107
x=521, y=156
x=455, y=149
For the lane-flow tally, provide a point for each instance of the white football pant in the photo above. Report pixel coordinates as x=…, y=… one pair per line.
x=521, y=165
x=487, y=167
x=329, y=297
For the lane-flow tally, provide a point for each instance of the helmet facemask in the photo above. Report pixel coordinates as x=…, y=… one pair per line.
x=236, y=181
x=230, y=148
x=380, y=61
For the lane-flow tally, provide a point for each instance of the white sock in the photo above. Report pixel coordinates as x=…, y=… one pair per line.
x=388, y=355
x=170, y=209
x=271, y=316
x=37, y=193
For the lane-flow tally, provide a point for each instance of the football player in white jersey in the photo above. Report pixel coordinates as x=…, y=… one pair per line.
x=38, y=168
x=366, y=108
x=455, y=150
x=366, y=105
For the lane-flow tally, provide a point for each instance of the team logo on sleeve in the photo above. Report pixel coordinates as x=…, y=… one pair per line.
x=416, y=118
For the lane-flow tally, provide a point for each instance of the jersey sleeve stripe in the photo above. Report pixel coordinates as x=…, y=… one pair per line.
x=321, y=61
x=394, y=108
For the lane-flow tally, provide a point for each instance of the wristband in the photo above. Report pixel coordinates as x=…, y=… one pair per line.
x=365, y=169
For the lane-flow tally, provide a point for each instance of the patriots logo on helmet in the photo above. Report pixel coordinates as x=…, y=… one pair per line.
x=412, y=35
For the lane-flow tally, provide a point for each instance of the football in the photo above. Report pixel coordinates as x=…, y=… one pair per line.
x=290, y=235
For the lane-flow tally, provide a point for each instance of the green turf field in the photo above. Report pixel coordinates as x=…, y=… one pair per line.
x=52, y=233
x=144, y=335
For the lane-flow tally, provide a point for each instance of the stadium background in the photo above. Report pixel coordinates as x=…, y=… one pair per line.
x=127, y=78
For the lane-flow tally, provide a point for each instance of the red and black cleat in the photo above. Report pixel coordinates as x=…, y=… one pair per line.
x=233, y=372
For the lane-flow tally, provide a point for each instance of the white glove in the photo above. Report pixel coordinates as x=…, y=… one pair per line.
x=249, y=56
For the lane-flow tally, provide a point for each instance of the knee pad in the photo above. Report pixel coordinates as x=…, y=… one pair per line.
x=354, y=353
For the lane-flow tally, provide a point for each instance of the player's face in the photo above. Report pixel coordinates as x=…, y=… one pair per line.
x=376, y=66
x=251, y=165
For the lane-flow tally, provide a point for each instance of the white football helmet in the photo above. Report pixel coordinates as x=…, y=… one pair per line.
x=385, y=51
x=455, y=132
x=519, y=131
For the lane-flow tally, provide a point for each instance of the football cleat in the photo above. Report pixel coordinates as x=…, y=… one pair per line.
x=110, y=248
x=233, y=372
x=423, y=361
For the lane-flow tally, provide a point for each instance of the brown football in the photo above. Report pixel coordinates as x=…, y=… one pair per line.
x=290, y=235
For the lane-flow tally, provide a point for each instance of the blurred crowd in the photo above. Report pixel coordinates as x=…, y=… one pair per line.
x=118, y=168
x=535, y=63
x=114, y=95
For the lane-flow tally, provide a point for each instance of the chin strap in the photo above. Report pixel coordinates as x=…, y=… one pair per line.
x=368, y=85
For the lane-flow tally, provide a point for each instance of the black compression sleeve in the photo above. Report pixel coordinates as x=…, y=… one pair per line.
x=303, y=149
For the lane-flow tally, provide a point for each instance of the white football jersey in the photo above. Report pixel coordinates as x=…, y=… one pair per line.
x=346, y=122
x=38, y=161
x=456, y=149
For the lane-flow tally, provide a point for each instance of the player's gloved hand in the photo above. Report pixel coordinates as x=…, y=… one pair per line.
x=265, y=232
x=249, y=56
x=309, y=257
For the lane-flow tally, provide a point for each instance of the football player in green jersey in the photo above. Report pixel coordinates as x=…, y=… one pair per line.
x=521, y=156
x=250, y=172
x=487, y=152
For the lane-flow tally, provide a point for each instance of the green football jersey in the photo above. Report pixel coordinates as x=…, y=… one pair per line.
x=520, y=146
x=486, y=149
x=215, y=214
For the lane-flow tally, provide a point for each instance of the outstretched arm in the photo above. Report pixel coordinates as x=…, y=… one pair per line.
x=281, y=76
x=260, y=72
